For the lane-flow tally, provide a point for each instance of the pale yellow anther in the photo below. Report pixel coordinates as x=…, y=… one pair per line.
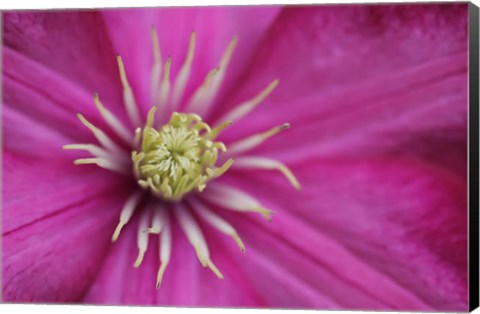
x=229, y=52
x=117, y=231
x=216, y=221
x=157, y=56
x=90, y=126
x=266, y=213
x=216, y=130
x=123, y=75
x=128, y=97
x=252, y=162
x=142, y=237
x=239, y=241
x=86, y=161
x=234, y=199
x=126, y=213
x=156, y=67
x=160, y=273
x=203, y=97
x=92, y=149
x=150, y=117
x=209, y=78
x=139, y=259
x=112, y=121
x=214, y=269
x=201, y=93
x=184, y=73
x=176, y=158
x=200, y=256
x=105, y=163
x=243, y=109
x=255, y=140
x=137, y=137
x=165, y=85
x=157, y=221
x=224, y=167
x=165, y=247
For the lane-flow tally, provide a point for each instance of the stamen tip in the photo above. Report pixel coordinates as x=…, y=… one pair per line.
x=285, y=126
x=239, y=242
x=139, y=259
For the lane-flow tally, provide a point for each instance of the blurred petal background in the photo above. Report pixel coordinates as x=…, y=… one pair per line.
x=377, y=99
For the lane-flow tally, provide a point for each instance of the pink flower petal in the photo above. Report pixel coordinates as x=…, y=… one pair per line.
x=36, y=188
x=184, y=282
x=51, y=101
x=72, y=43
x=18, y=128
x=394, y=230
x=363, y=80
x=419, y=122
x=214, y=27
x=52, y=259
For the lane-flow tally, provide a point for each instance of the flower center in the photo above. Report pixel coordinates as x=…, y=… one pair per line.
x=178, y=157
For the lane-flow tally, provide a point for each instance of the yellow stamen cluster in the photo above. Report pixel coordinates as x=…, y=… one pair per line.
x=178, y=157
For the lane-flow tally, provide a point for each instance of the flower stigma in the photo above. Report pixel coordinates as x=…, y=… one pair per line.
x=178, y=157
x=174, y=163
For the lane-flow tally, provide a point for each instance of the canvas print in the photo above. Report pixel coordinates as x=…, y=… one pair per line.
x=310, y=157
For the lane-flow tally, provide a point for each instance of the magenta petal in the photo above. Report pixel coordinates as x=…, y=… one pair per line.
x=186, y=282
x=35, y=188
x=403, y=222
x=55, y=258
x=18, y=128
x=117, y=282
x=72, y=43
x=370, y=78
x=214, y=27
x=339, y=46
x=419, y=117
x=41, y=107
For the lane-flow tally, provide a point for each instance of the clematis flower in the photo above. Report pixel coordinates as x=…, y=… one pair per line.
x=376, y=97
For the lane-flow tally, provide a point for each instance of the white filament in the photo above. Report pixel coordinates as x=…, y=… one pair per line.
x=142, y=237
x=156, y=68
x=127, y=212
x=165, y=246
x=102, y=138
x=184, y=74
x=165, y=87
x=216, y=221
x=250, y=162
x=195, y=237
x=103, y=163
x=255, y=140
x=113, y=121
x=233, y=199
x=244, y=108
x=128, y=97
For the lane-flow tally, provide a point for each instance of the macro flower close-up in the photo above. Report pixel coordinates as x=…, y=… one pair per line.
x=307, y=157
